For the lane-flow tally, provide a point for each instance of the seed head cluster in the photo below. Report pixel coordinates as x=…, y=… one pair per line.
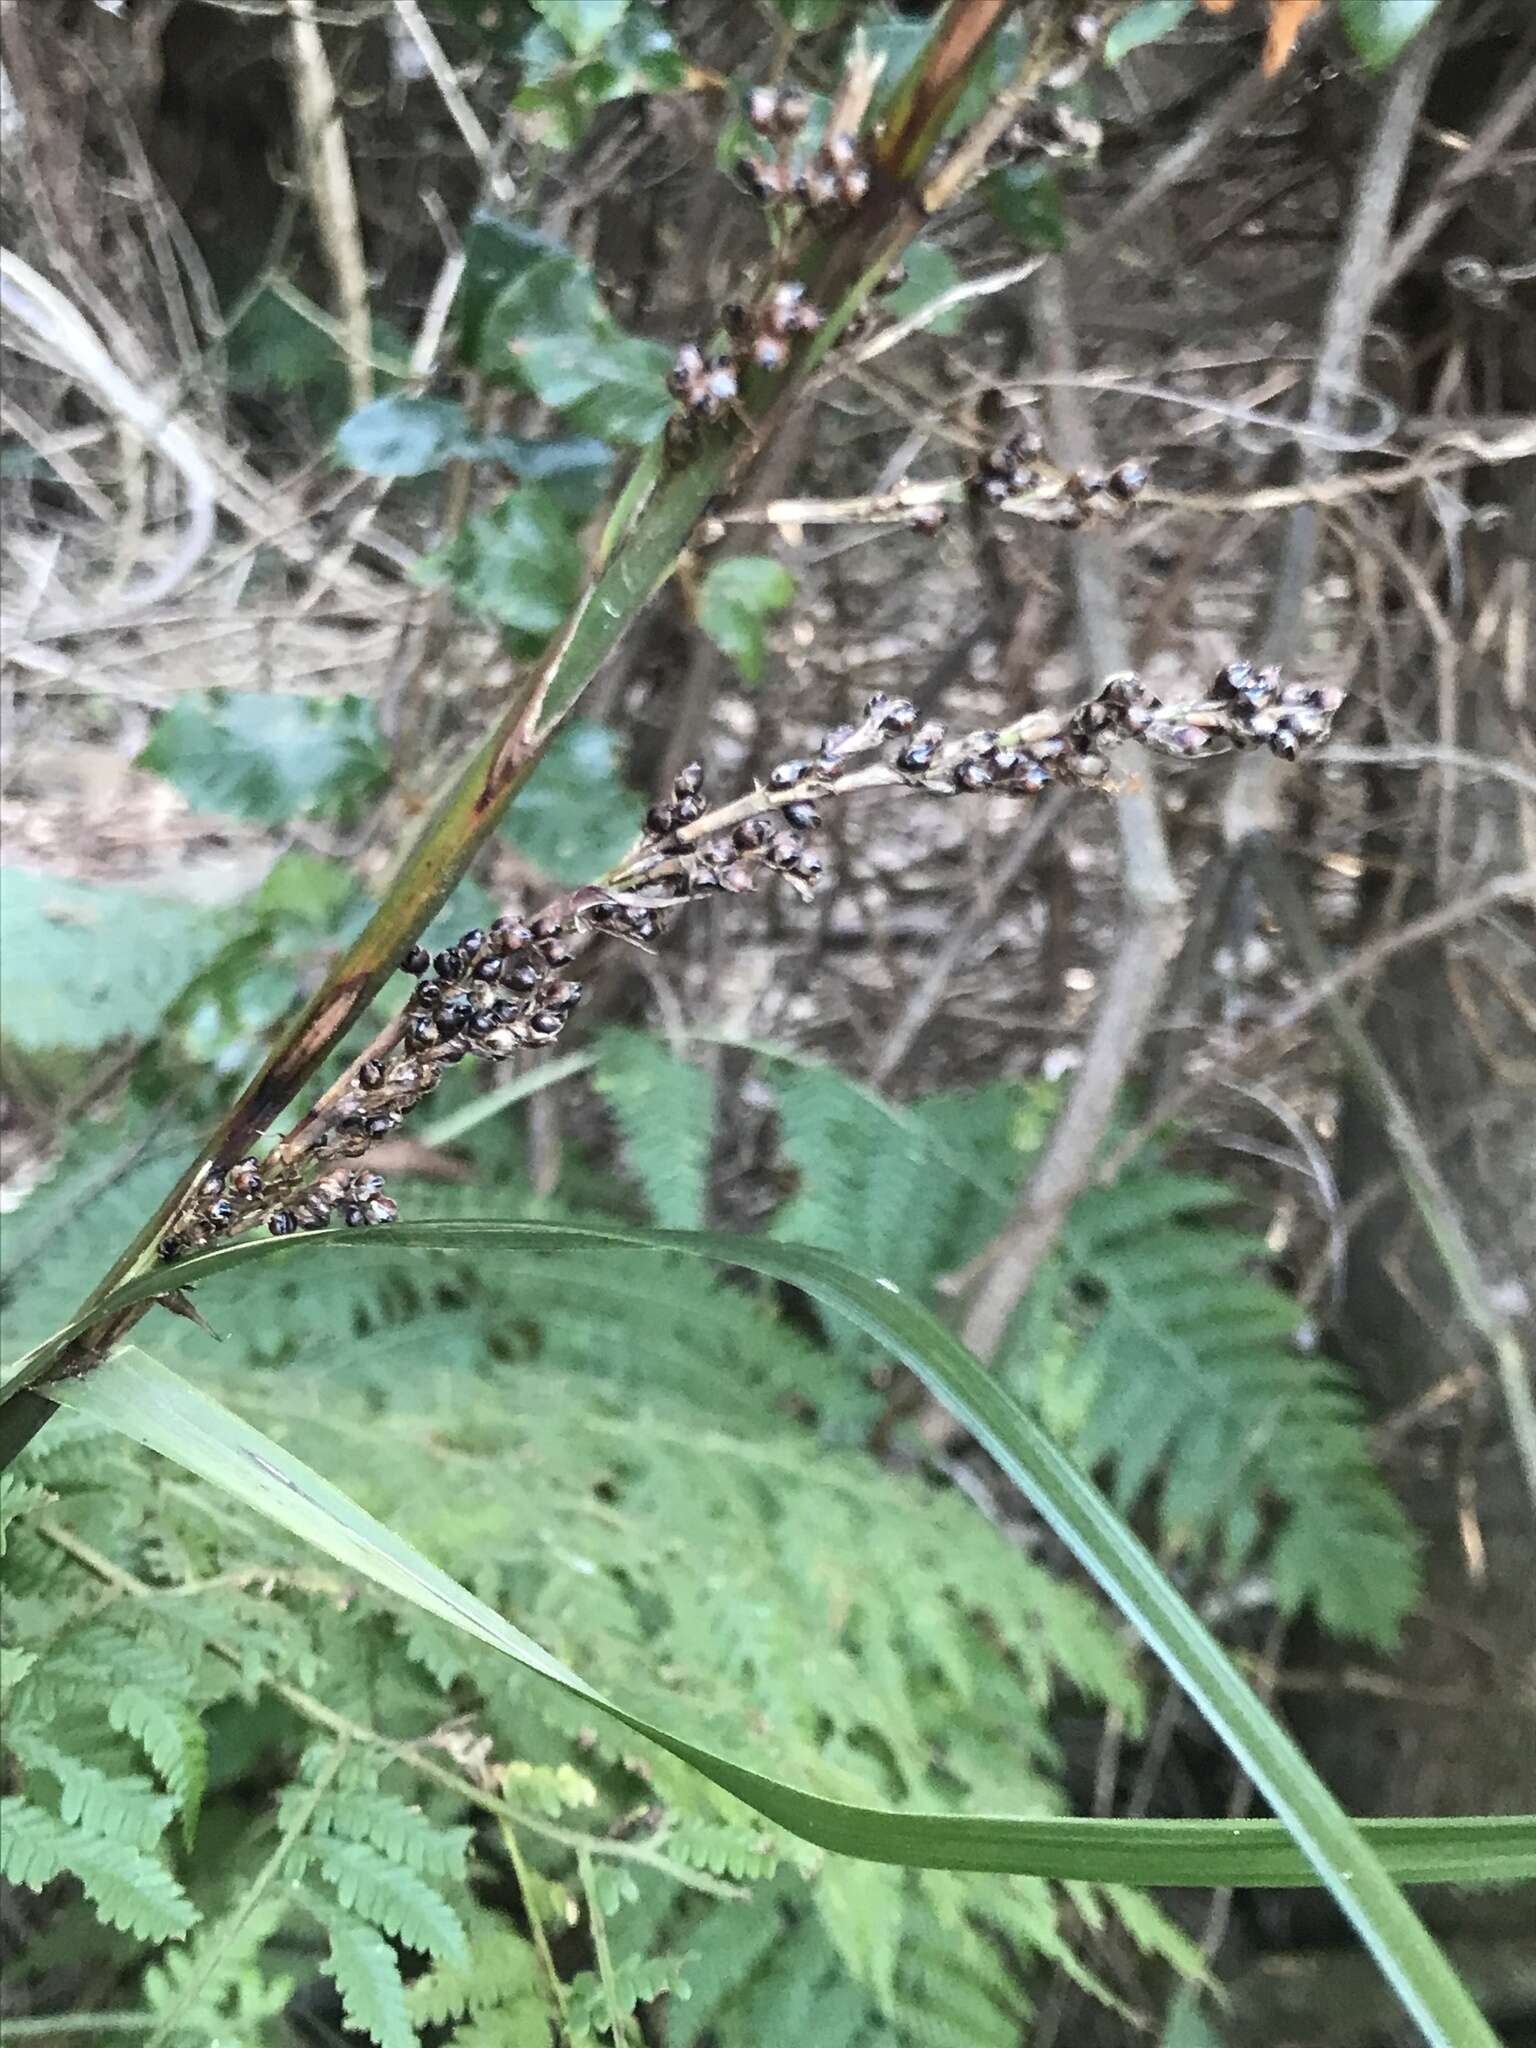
x=831, y=179
x=1017, y=469
x=506, y=989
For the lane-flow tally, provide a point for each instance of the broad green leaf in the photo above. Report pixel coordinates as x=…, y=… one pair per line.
x=497, y=250
x=86, y=963
x=930, y=273
x=574, y=472
x=575, y=817
x=1026, y=199
x=268, y=758
x=142, y=1399
x=553, y=301
x=547, y=330
x=627, y=399
x=306, y=888
x=1382, y=29
x=517, y=564
x=400, y=436
x=585, y=24
x=1144, y=24
x=737, y=599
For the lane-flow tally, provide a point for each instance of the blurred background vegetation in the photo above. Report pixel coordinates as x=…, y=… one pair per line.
x=299, y=473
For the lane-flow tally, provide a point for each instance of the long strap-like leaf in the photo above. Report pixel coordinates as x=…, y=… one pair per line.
x=147, y=1402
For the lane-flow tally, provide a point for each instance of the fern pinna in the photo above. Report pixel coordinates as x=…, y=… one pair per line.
x=625, y=1455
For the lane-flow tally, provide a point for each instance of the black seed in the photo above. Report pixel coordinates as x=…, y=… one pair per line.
x=690, y=780
x=488, y=970
x=362, y=1187
x=472, y=940
x=973, y=775
x=505, y=1013
x=545, y=1023
x=525, y=977
x=563, y=995
x=546, y=927
x=282, y=1224
x=220, y=1213
x=783, y=849
x=899, y=716
x=788, y=773
x=171, y=1247
x=807, y=866
x=658, y=820
x=355, y=1216
x=752, y=833
x=803, y=816
x=424, y=1031
x=370, y=1074
x=415, y=960
x=688, y=810
x=429, y=994
x=450, y=963
x=511, y=934
x=211, y=1186
x=1127, y=480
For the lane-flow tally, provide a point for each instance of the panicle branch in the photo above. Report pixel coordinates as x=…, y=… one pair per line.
x=509, y=988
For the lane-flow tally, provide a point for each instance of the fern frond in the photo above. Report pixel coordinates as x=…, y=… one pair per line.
x=402, y=1834
x=122, y=1809
x=174, y=1740
x=663, y=1107
x=366, y=1974
x=387, y=1894
x=128, y=1888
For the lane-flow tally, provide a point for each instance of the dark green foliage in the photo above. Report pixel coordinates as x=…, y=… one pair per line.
x=1153, y=1343
x=85, y=965
x=1382, y=29
x=575, y=817
x=517, y=565
x=611, y=1453
x=1026, y=199
x=269, y=758
x=930, y=273
x=738, y=598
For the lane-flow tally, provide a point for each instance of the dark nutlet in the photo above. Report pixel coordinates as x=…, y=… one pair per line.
x=546, y=927
x=415, y=960
x=690, y=780
x=371, y=1074
x=282, y=1224
x=803, y=816
x=450, y=963
x=788, y=773
x=752, y=833
x=972, y=775
x=658, y=820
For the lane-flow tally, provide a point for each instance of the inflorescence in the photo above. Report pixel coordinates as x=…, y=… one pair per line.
x=506, y=989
